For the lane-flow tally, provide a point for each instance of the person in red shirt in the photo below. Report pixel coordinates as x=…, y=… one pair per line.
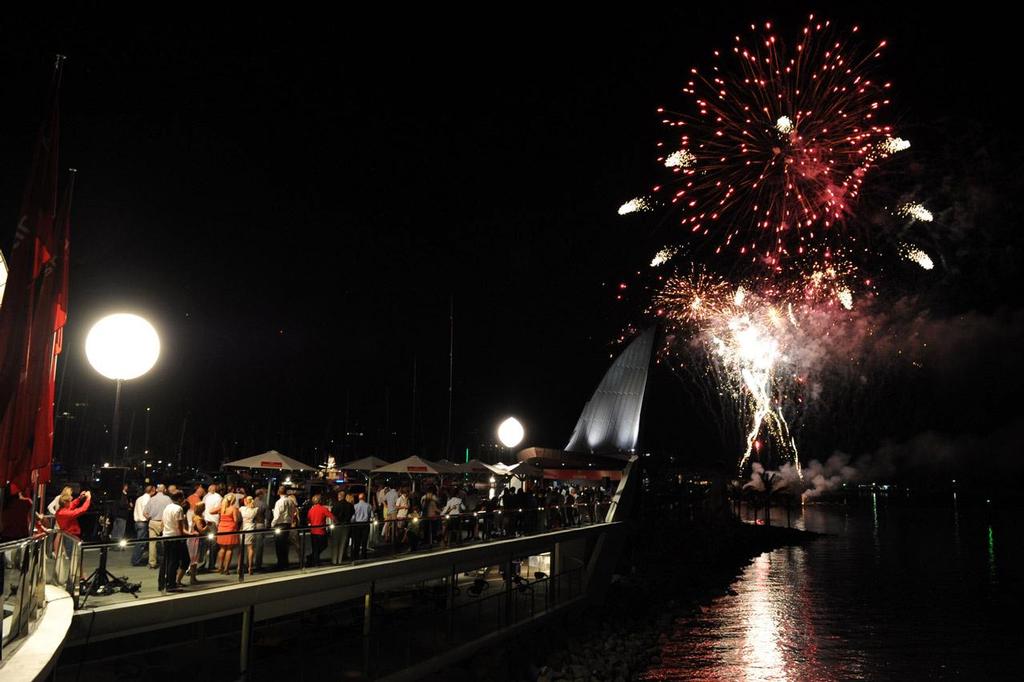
x=67, y=515
x=196, y=497
x=67, y=521
x=317, y=518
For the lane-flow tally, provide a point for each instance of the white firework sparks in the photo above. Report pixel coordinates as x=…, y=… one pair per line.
x=637, y=205
x=744, y=341
x=751, y=354
x=894, y=144
x=784, y=125
x=917, y=211
x=845, y=297
x=680, y=159
x=916, y=255
x=663, y=256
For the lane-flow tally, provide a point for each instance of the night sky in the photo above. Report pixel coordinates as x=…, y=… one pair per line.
x=295, y=200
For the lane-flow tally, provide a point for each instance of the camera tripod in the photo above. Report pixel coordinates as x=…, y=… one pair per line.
x=102, y=581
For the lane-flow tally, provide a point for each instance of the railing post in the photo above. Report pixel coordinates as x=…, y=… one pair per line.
x=367, y=629
x=74, y=569
x=368, y=611
x=508, y=591
x=244, y=655
x=241, y=575
x=450, y=601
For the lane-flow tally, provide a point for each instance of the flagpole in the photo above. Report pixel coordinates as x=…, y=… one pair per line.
x=451, y=372
x=117, y=411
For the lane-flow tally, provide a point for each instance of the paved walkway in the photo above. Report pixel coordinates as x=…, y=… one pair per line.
x=119, y=564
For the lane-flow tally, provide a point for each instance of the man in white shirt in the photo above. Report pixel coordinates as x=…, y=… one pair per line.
x=211, y=514
x=211, y=501
x=141, y=524
x=173, y=520
x=450, y=513
x=390, y=513
x=454, y=505
x=154, y=512
x=286, y=514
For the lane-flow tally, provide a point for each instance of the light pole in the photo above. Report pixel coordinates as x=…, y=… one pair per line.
x=121, y=347
x=510, y=433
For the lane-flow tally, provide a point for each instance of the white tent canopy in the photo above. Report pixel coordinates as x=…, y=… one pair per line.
x=271, y=459
x=364, y=464
x=446, y=467
x=416, y=465
x=520, y=469
x=475, y=466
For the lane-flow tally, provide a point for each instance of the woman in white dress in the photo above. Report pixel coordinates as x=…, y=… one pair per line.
x=248, y=512
x=402, y=507
x=196, y=527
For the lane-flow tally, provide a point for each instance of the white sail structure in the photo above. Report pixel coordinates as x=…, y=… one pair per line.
x=3, y=276
x=610, y=422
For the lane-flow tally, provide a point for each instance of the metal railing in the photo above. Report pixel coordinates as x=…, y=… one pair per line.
x=99, y=566
x=505, y=604
x=23, y=575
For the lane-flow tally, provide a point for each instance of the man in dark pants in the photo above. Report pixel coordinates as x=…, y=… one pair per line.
x=285, y=517
x=317, y=518
x=360, y=527
x=173, y=522
x=260, y=524
x=343, y=510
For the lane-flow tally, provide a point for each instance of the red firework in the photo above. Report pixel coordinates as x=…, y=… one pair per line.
x=774, y=158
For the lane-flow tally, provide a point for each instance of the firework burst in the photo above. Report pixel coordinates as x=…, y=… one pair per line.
x=766, y=170
x=740, y=340
x=781, y=140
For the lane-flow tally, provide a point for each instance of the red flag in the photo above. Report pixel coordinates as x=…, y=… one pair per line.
x=51, y=314
x=34, y=246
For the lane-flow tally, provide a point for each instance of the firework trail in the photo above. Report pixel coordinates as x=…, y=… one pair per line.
x=916, y=211
x=663, y=256
x=916, y=255
x=637, y=205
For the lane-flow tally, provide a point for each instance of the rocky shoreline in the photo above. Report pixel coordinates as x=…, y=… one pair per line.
x=669, y=577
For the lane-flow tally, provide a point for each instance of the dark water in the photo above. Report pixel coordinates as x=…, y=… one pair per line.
x=896, y=593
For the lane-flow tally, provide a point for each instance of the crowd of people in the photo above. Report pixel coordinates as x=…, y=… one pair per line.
x=218, y=525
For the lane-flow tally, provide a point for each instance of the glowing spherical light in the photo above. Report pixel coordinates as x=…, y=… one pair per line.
x=122, y=346
x=511, y=432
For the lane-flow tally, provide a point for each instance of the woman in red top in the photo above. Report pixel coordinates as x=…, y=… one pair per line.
x=67, y=521
x=228, y=523
x=67, y=515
